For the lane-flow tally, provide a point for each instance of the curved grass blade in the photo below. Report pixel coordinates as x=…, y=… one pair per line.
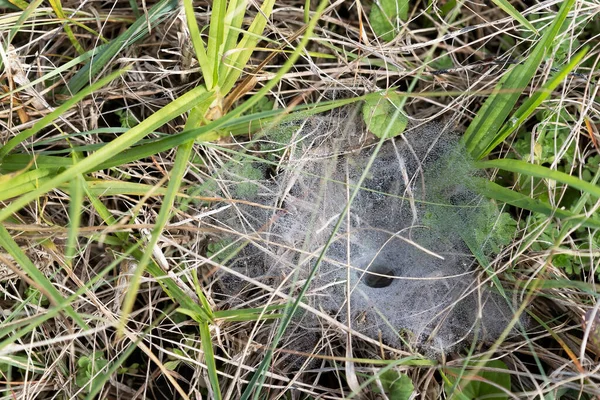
x=234, y=126
x=231, y=123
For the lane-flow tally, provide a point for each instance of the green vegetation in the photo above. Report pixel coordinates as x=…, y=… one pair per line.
x=122, y=126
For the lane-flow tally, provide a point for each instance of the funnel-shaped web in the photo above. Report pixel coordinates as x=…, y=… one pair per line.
x=402, y=256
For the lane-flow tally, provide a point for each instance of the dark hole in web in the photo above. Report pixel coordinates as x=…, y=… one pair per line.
x=378, y=276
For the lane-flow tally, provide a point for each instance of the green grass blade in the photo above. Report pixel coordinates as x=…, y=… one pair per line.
x=510, y=10
x=115, y=188
x=205, y=64
x=48, y=119
x=216, y=36
x=504, y=195
x=132, y=136
x=537, y=171
x=236, y=11
x=232, y=125
x=40, y=281
x=75, y=206
x=58, y=10
x=22, y=18
x=239, y=58
x=183, y=155
x=22, y=183
x=494, y=191
x=103, y=54
x=488, y=121
x=249, y=314
x=17, y=162
x=529, y=106
x=209, y=359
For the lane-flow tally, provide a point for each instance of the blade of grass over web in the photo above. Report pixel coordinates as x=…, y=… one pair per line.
x=537, y=171
x=103, y=54
x=38, y=279
x=529, y=106
x=48, y=119
x=485, y=126
x=132, y=136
